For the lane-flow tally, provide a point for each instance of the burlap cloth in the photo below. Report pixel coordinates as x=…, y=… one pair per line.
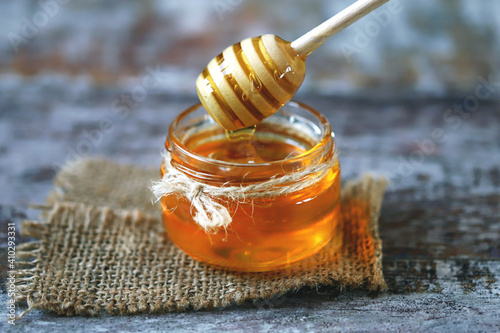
x=101, y=245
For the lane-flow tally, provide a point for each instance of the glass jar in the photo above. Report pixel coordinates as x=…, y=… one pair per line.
x=266, y=233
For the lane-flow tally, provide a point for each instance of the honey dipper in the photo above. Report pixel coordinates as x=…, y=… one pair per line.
x=252, y=79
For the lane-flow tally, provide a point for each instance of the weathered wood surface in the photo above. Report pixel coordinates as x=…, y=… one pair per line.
x=440, y=221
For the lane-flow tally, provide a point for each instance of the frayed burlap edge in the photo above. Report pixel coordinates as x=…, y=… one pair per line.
x=234, y=288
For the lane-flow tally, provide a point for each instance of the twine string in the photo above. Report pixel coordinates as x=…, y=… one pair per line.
x=209, y=203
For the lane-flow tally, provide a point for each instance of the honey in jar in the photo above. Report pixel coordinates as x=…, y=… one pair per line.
x=266, y=232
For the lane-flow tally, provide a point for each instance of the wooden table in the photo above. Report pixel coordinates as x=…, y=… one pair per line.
x=440, y=220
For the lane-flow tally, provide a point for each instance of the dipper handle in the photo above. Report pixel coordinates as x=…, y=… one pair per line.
x=316, y=37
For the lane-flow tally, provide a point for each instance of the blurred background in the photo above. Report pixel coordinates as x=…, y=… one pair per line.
x=72, y=76
x=432, y=47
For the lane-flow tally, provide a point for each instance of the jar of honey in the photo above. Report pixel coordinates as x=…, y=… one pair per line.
x=293, y=151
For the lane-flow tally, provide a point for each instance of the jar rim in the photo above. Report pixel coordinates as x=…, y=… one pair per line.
x=320, y=145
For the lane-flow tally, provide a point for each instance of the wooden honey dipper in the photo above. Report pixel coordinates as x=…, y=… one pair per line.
x=252, y=79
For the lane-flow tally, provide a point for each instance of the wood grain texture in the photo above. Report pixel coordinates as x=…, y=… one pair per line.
x=440, y=222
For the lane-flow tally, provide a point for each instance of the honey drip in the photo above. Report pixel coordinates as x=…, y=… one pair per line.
x=241, y=146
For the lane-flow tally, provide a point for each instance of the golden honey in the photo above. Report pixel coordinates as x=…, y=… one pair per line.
x=266, y=233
